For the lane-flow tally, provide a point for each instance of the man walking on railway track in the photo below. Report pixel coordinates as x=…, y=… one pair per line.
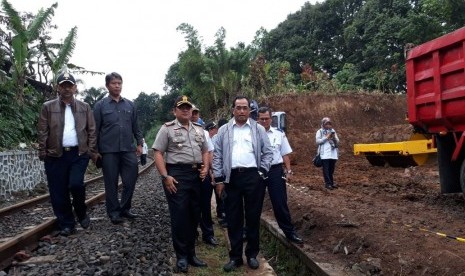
x=67, y=139
x=117, y=129
x=182, y=159
x=241, y=157
x=275, y=183
x=206, y=191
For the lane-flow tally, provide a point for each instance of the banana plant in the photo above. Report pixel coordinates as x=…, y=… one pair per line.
x=59, y=62
x=23, y=36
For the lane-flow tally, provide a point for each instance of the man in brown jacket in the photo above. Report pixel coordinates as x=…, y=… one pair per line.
x=67, y=139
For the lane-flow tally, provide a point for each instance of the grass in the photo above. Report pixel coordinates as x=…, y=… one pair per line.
x=214, y=256
x=281, y=258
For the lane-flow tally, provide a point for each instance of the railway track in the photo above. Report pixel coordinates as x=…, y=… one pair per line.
x=23, y=224
x=28, y=236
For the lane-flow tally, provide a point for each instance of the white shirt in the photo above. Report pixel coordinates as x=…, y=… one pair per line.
x=324, y=147
x=145, y=149
x=279, y=144
x=69, y=131
x=242, y=151
x=209, y=141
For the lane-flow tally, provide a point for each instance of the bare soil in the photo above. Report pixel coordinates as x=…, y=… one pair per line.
x=381, y=220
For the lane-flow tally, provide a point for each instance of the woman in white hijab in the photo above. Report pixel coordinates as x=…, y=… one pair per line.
x=327, y=141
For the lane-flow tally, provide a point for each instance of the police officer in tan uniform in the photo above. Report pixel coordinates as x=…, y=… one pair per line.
x=181, y=158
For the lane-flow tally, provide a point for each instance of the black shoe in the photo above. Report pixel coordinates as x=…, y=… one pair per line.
x=181, y=265
x=329, y=187
x=253, y=263
x=85, y=222
x=211, y=241
x=233, y=264
x=194, y=261
x=116, y=219
x=335, y=186
x=67, y=231
x=294, y=238
x=128, y=214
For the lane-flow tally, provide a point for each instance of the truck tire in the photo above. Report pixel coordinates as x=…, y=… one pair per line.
x=449, y=172
x=462, y=177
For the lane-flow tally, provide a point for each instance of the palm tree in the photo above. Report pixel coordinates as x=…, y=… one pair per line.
x=93, y=95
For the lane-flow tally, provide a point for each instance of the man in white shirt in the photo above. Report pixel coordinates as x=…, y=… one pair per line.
x=241, y=157
x=275, y=183
x=67, y=139
x=206, y=192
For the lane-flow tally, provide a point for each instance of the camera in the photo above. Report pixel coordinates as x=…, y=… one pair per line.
x=332, y=131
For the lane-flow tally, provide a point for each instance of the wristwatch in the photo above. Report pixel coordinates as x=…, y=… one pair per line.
x=165, y=176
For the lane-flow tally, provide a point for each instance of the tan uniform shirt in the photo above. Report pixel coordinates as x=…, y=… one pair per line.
x=181, y=146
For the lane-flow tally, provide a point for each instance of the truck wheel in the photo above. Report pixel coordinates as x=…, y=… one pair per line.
x=462, y=177
x=449, y=172
x=376, y=160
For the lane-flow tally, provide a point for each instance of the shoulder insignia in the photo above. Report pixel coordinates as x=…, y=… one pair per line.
x=278, y=129
x=196, y=124
x=169, y=123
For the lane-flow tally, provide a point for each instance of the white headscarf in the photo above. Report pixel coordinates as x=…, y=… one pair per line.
x=324, y=121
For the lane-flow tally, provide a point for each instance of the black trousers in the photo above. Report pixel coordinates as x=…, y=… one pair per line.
x=206, y=222
x=65, y=175
x=328, y=170
x=117, y=164
x=278, y=195
x=184, y=207
x=220, y=210
x=244, y=196
x=143, y=159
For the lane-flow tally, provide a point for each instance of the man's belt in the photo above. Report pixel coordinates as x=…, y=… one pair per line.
x=70, y=148
x=185, y=166
x=243, y=169
x=275, y=166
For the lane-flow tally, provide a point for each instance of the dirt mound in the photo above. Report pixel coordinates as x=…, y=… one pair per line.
x=382, y=220
x=358, y=118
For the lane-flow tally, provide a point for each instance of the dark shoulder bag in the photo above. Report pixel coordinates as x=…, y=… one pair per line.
x=317, y=159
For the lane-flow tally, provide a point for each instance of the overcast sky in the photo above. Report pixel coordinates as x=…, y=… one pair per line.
x=138, y=38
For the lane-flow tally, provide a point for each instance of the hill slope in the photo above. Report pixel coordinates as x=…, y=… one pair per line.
x=378, y=216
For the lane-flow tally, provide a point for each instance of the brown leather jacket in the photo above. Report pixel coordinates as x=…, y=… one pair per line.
x=52, y=123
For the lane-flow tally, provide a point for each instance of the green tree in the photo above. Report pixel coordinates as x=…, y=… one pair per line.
x=211, y=77
x=146, y=110
x=93, y=95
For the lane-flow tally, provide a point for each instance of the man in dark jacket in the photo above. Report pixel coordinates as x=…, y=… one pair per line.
x=67, y=139
x=117, y=131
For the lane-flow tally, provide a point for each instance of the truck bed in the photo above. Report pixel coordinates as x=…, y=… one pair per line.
x=436, y=84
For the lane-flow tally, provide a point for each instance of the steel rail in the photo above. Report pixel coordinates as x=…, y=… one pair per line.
x=28, y=240
x=34, y=201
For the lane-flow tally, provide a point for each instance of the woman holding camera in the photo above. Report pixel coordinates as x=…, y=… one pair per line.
x=327, y=141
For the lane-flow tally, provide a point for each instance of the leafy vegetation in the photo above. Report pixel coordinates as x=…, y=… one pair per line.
x=332, y=46
x=28, y=65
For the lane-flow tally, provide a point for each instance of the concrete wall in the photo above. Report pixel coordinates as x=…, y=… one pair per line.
x=19, y=171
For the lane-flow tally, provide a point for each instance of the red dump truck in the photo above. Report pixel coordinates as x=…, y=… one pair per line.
x=436, y=102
